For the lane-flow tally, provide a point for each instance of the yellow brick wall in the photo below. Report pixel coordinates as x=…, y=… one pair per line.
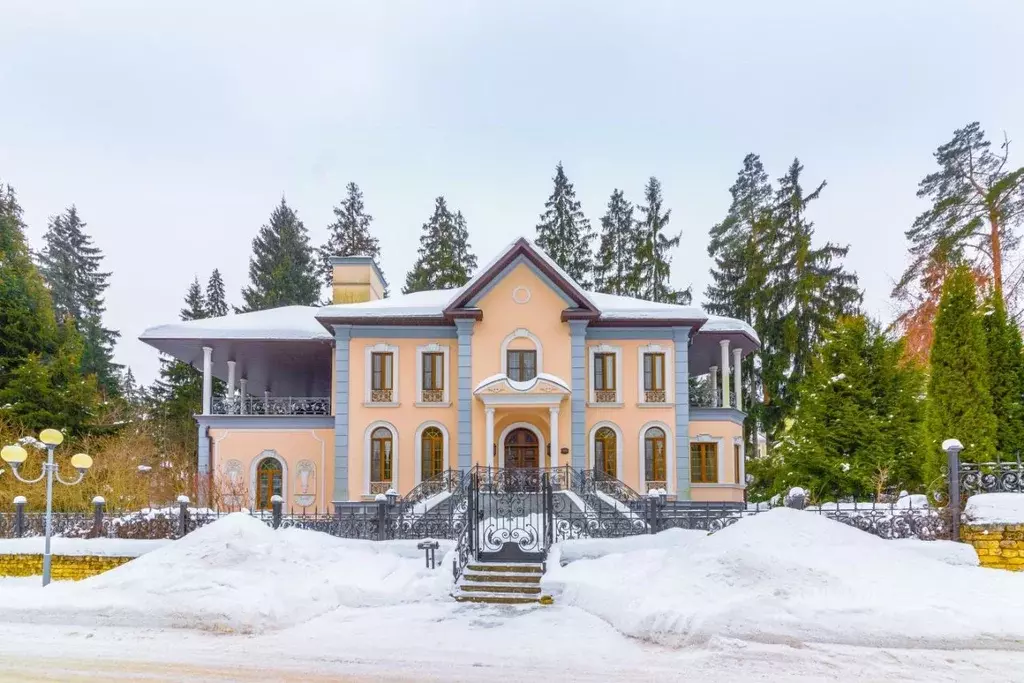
x=62, y=567
x=1000, y=546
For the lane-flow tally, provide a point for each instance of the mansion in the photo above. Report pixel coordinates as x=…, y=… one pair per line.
x=519, y=368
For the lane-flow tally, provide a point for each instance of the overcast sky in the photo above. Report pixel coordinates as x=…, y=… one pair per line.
x=175, y=127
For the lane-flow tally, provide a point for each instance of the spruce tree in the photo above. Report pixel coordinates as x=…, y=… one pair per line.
x=857, y=429
x=445, y=260
x=27, y=324
x=70, y=264
x=282, y=271
x=959, y=399
x=216, y=298
x=616, y=257
x=1006, y=377
x=195, y=303
x=349, y=234
x=564, y=233
x=650, y=276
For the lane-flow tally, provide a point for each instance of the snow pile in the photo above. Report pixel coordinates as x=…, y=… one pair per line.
x=238, y=574
x=592, y=548
x=995, y=508
x=96, y=547
x=787, y=576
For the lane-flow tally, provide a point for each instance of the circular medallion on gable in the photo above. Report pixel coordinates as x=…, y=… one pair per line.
x=521, y=295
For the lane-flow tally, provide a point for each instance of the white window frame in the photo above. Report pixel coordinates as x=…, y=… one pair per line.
x=669, y=375
x=433, y=348
x=521, y=333
x=419, y=447
x=592, y=393
x=670, y=455
x=254, y=469
x=719, y=465
x=592, y=448
x=366, y=454
x=380, y=347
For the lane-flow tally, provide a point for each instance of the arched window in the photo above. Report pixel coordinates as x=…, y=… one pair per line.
x=381, y=457
x=431, y=452
x=654, y=459
x=269, y=478
x=606, y=451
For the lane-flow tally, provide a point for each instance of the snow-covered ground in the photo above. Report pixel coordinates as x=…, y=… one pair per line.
x=995, y=508
x=100, y=547
x=785, y=595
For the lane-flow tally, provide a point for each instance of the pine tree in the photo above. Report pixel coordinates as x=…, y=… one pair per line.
x=216, y=298
x=564, y=233
x=27, y=324
x=70, y=264
x=616, y=257
x=349, y=234
x=195, y=303
x=445, y=258
x=650, y=277
x=857, y=430
x=1006, y=377
x=282, y=271
x=959, y=399
x=977, y=202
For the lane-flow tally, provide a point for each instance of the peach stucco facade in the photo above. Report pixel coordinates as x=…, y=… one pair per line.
x=545, y=413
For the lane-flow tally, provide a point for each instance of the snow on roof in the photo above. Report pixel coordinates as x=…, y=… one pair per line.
x=284, y=323
x=615, y=307
x=417, y=304
x=717, y=323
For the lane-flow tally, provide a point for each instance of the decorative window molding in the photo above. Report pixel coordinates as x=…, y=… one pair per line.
x=592, y=446
x=254, y=473
x=367, y=470
x=380, y=347
x=445, y=397
x=670, y=453
x=666, y=350
x=521, y=333
x=593, y=351
x=720, y=458
x=419, y=447
x=521, y=295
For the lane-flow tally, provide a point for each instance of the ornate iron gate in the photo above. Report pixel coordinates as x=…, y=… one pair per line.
x=510, y=515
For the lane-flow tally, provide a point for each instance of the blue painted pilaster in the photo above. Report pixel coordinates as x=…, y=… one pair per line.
x=204, y=450
x=342, y=341
x=465, y=394
x=681, y=339
x=578, y=341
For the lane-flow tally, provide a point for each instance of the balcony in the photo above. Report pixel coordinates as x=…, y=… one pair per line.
x=274, y=405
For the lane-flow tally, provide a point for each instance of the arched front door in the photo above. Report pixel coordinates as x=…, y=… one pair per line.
x=268, y=482
x=522, y=449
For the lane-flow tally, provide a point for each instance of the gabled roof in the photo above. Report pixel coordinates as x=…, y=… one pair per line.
x=525, y=249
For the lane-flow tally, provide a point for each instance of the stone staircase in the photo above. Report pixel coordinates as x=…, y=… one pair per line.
x=501, y=583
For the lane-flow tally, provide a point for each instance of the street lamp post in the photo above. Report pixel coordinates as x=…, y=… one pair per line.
x=15, y=455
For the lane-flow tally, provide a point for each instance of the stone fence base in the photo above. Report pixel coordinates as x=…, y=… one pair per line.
x=62, y=567
x=999, y=546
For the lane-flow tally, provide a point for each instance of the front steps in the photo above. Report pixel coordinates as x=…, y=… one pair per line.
x=500, y=584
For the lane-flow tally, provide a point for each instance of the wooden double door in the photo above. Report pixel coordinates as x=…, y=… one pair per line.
x=521, y=449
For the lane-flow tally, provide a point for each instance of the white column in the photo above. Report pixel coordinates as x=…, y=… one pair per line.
x=713, y=372
x=725, y=372
x=242, y=394
x=207, y=379
x=737, y=379
x=489, y=437
x=554, y=435
x=231, y=379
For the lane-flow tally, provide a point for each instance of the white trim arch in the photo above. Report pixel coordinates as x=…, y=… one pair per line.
x=542, y=455
x=419, y=447
x=366, y=454
x=521, y=333
x=591, y=449
x=670, y=453
x=265, y=454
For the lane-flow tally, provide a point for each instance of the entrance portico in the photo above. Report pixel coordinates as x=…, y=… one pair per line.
x=522, y=410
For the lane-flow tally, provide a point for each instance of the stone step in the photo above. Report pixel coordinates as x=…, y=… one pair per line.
x=498, y=599
x=508, y=568
x=501, y=588
x=501, y=577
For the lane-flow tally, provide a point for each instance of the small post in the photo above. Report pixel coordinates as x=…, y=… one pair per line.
x=382, y=514
x=953, y=448
x=653, y=498
x=19, y=516
x=276, y=504
x=97, y=516
x=796, y=498
x=183, y=502
x=429, y=546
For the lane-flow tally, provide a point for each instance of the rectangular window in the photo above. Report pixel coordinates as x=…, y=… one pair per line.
x=433, y=372
x=522, y=365
x=704, y=463
x=604, y=371
x=654, y=372
x=737, y=454
x=381, y=377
